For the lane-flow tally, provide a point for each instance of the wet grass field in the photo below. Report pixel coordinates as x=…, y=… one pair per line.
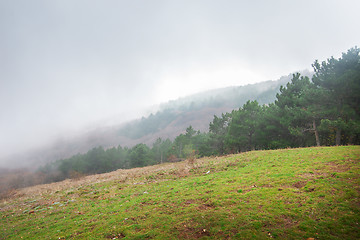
x=281, y=194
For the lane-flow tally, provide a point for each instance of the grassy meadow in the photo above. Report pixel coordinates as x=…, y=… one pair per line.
x=305, y=193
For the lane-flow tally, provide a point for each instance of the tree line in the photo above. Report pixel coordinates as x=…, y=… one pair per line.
x=321, y=111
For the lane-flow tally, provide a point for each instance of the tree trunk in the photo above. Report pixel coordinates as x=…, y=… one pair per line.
x=316, y=134
x=338, y=136
x=250, y=142
x=338, y=130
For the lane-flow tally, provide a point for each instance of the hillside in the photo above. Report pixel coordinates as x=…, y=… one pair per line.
x=170, y=120
x=305, y=193
x=198, y=110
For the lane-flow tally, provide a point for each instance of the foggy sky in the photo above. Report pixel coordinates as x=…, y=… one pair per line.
x=70, y=65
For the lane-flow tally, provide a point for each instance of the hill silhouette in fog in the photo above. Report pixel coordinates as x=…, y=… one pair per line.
x=170, y=120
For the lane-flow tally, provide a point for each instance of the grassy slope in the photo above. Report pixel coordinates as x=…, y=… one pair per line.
x=284, y=194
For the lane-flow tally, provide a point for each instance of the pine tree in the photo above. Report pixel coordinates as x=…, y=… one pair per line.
x=340, y=81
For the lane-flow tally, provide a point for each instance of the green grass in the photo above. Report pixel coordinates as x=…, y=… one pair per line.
x=280, y=194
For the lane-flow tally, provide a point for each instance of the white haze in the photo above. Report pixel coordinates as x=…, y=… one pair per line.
x=68, y=66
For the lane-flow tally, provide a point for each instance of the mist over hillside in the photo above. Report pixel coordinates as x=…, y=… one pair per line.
x=198, y=110
x=171, y=119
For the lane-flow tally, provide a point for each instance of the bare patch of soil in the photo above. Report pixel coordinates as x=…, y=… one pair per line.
x=337, y=167
x=188, y=232
x=299, y=184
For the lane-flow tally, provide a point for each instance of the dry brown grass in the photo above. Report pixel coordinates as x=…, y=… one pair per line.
x=178, y=169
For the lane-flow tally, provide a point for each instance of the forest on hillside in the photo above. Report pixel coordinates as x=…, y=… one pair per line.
x=166, y=121
x=216, y=100
x=323, y=110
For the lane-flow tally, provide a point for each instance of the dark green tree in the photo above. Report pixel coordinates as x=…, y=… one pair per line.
x=95, y=159
x=218, y=129
x=182, y=141
x=140, y=155
x=178, y=146
x=190, y=132
x=161, y=150
x=272, y=134
x=200, y=144
x=340, y=80
x=243, y=127
x=299, y=111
